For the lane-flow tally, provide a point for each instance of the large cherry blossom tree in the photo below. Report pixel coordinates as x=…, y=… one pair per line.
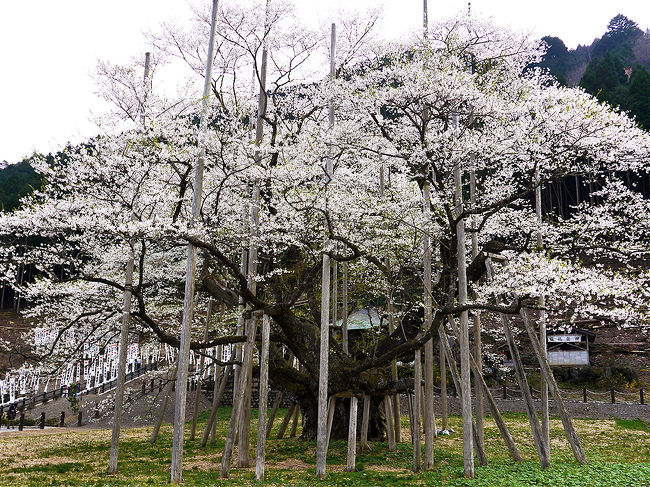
x=413, y=111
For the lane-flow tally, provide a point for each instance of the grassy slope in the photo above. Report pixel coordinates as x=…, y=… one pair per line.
x=618, y=454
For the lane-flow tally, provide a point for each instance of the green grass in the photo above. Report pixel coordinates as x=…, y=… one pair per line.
x=618, y=454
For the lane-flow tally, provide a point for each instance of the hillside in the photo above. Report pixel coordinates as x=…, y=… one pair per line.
x=614, y=68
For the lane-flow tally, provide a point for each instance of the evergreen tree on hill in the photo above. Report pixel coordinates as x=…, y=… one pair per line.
x=639, y=96
x=16, y=181
x=604, y=78
x=621, y=35
x=556, y=59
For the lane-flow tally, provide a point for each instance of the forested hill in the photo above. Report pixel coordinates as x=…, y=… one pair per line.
x=16, y=181
x=614, y=67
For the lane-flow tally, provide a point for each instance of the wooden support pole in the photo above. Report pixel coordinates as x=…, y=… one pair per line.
x=542, y=452
x=429, y=427
x=274, y=411
x=176, y=473
x=335, y=293
x=365, y=420
x=480, y=451
x=409, y=407
x=243, y=441
x=163, y=406
x=443, y=388
x=344, y=311
x=294, y=423
x=330, y=417
x=352, y=436
x=216, y=400
x=286, y=421
x=571, y=434
x=388, y=412
x=465, y=384
x=397, y=426
x=476, y=316
x=417, y=455
x=118, y=403
x=263, y=399
x=222, y=387
x=322, y=436
x=238, y=400
x=498, y=418
x=546, y=438
x=197, y=398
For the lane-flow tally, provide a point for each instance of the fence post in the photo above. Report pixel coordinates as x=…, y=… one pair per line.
x=505, y=391
x=42, y=425
x=641, y=396
x=21, y=423
x=62, y=420
x=584, y=394
x=613, y=396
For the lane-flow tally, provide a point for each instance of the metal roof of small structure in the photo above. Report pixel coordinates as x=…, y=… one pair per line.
x=362, y=319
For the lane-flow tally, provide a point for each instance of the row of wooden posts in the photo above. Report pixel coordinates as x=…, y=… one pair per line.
x=42, y=421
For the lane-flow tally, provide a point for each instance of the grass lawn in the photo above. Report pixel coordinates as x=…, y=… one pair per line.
x=618, y=454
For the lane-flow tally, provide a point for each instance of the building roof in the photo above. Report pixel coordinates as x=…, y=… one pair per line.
x=362, y=319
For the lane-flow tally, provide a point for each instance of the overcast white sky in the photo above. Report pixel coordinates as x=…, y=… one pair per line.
x=49, y=49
